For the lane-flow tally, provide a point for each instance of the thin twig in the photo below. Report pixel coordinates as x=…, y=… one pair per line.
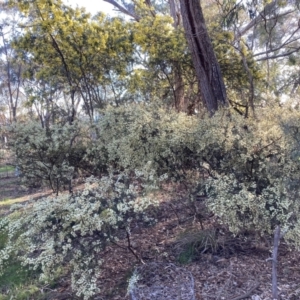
x=248, y=293
x=130, y=248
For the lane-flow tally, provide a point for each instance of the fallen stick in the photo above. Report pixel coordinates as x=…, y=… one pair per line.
x=248, y=293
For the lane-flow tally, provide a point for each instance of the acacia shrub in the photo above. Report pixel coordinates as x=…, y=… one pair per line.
x=253, y=168
x=253, y=164
x=68, y=232
x=145, y=136
x=255, y=184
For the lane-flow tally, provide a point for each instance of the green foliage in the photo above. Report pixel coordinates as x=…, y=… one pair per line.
x=69, y=52
x=164, y=49
x=231, y=63
x=5, y=169
x=70, y=231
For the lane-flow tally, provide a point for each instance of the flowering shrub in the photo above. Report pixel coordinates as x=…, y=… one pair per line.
x=71, y=231
x=48, y=155
x=251, y=166
x=137, y=136
x=255, y=186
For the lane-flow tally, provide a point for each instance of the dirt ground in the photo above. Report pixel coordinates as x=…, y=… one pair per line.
x=237, y=270
x=229, y=268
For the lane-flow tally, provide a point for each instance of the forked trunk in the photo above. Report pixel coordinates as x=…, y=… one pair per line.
x=207, y=68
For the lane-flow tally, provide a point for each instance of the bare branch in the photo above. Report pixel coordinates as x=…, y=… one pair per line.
x=279, y=55
x=277, y=48
x=123, y=9
x=265, y=12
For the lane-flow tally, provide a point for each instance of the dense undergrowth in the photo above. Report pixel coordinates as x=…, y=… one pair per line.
x=247, y=168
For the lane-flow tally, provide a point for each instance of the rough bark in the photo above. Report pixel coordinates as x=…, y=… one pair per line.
x=180, y=99
x=207, y=68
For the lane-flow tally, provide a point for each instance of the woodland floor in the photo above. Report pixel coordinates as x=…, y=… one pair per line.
x=223, y=267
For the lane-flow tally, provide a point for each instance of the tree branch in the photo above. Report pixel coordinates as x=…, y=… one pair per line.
x=123, y=9
x=279, y=55
x=265, y=12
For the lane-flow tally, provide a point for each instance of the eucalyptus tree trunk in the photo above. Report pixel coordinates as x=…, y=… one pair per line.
x=210, y=80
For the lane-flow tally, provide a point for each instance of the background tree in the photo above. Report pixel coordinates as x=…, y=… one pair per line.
x=267, y=35
x=10, y=65
x=83, y=58
x=164, y=49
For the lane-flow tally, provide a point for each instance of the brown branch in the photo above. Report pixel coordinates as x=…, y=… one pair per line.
x=130, y=247
x=277, y=48
x=274, y=262
x=251, y=81
x=288, y=41
x=279, y=55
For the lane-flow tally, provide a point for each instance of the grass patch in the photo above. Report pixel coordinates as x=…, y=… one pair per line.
x=19, y=282
x=187, y=255
x=22, y=293
x=7, y=168
x=11, y=201
x=15, y=275
x=191, y=244
x=16, y=281
x=11, y=190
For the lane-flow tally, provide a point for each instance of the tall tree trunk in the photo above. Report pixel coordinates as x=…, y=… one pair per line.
x=179, y=87
x=207, y=68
